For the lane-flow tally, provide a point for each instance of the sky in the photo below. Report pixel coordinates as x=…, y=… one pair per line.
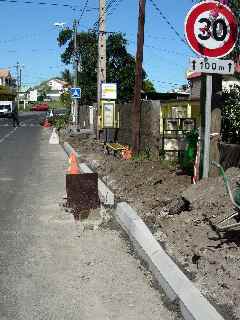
x=28, y=36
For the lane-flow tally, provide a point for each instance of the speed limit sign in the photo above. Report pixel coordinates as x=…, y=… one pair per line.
x=211, y=29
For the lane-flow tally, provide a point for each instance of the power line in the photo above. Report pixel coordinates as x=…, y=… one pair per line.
x=109, y=6
x=84, y=9
x=64, y=5
x=162, y=49
x=168, y=22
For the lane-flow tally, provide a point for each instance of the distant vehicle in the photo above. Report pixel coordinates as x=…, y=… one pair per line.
x=40, y=107
x=6, y=108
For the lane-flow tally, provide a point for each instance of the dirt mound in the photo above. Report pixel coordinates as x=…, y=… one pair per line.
x=212, y=260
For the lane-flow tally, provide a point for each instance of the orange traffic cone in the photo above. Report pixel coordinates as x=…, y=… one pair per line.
x=74, y=167
x=46, y=124
x=127, y=154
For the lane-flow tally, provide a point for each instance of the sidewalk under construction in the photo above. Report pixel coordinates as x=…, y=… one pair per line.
x=50, y=271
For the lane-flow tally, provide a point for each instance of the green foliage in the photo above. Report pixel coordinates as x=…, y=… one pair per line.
x=67, y=76
x=231, y=115
x=143, y=155
x=66, y=99
x=61, y=121
x=188, y=158
x=120, y=64
x=148, y=86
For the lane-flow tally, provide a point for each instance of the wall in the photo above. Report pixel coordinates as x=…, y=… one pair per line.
x=84, y=118
x=150, y=119
x=229, y=155
x=196, y=88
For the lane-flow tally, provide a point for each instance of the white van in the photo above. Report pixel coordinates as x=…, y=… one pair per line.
x=6, y=108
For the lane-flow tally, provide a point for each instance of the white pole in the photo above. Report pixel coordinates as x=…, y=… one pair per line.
x=208, y=104
x=91, y=117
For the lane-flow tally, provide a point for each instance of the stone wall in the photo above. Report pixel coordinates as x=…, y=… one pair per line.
x=150, y=120
x=84, y=117
x=229, y=155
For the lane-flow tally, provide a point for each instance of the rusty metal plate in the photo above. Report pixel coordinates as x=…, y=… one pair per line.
x=82, y=191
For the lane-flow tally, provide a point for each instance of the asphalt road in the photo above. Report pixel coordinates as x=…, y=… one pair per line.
x=18, y=147
x=48, y=272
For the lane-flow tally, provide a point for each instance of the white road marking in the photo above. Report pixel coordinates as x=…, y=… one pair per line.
x=7, y=135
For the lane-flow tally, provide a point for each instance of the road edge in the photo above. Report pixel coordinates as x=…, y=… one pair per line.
x=177, y=287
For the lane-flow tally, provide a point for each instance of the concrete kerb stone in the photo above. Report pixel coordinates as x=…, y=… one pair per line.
x=105, y=194
x=69, y=149
x=193, y=305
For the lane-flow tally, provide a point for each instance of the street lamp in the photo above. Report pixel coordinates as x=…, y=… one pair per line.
x=59, y=24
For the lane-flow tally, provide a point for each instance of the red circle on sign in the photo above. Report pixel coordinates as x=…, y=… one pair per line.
x=194, y=42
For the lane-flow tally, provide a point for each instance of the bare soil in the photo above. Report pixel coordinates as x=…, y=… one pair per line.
x=185, y=228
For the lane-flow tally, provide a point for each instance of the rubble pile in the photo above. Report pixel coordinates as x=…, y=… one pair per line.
x=211, y=259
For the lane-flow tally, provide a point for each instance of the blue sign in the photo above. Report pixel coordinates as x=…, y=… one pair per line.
x=76, y=93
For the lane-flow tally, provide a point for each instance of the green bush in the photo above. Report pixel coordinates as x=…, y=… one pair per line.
x=61, y=121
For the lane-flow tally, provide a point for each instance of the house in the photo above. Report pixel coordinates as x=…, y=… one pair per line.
x=194, y=79
x=57, y=85
x=7, y=85
x=54, y=94
x=6, y=78
x=32, y=95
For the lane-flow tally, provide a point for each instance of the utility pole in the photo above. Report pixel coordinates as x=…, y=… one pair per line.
x=75, y=66
x=136, y=111
x=19, y=75
x=101, y=70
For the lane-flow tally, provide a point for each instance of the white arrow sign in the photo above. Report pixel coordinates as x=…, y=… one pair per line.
x=218, y=66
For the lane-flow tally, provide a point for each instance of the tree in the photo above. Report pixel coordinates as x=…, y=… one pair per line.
x=66, y=99
x=120, y=63
x=231, y=115
x=67, y=76
x=148, y=86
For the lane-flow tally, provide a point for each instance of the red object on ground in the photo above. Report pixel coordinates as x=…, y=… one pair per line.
x=46, y=124
x=127, y=154
x=40, y=107
x=74, y=167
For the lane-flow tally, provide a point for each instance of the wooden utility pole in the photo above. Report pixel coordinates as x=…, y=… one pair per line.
x=136, y=111
x=101, y=70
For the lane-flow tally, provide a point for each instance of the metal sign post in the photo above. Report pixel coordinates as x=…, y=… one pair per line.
x=208, y=104
x=211, y=30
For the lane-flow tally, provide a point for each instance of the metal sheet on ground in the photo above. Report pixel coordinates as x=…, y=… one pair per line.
x=82, y=191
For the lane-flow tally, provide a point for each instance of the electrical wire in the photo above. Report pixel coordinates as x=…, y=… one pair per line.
x=167, y=21
x=64, y=5
x=109, y=6
x=83, y=10
x=162, y=49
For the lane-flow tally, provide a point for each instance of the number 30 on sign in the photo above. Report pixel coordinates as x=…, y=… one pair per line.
x=211, y=29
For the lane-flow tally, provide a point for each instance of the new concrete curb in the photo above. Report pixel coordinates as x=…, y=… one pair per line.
x=105, y=194
x=69, y=149
x=193, y=305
